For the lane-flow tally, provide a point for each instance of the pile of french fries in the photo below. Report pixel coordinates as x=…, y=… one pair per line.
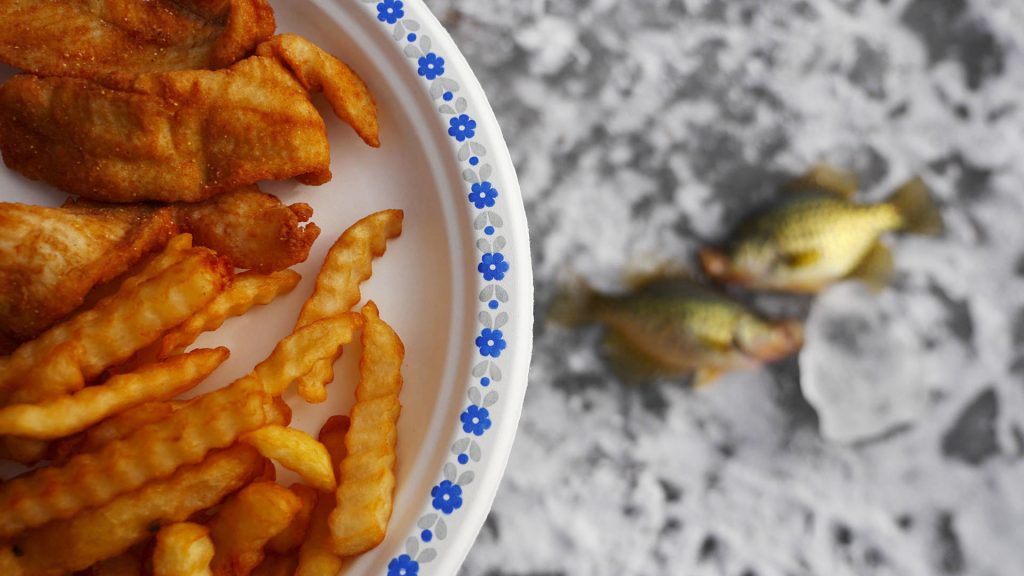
x=137, y=482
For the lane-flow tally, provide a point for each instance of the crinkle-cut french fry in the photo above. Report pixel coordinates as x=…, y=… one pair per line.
x=155, y=451
x=348, y=264
x=214, y=420
x=43, y=346
x=291, y=538
x=296, y=451
x=173, y=253
x=183, y=549
x=312, y=387
x=67, y=355
x=245, y=291
x=114, y=428
x=277, y=565
x=320, y=340
x=246, y=522
x=315, y=555
x=70, y=414
x=75, y=543
x=366, y=490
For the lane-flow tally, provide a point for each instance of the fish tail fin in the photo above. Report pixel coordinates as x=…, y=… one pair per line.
x=917, y=208
x=573, y=304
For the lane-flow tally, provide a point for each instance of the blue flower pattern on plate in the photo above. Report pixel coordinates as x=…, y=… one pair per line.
x=403, y=565
x=476, y=420
x=483, y=194
x=493, y=266
x=444, y=86
x=462, y=127
x=430, y=66
x=490, y=342
x=447, y=496
x=390, y=11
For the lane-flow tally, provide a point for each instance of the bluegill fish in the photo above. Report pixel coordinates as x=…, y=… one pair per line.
x=675, y=326
x=815, y=235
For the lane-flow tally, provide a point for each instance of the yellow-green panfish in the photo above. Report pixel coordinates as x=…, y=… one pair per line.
x=815, y=236
x=675, y=326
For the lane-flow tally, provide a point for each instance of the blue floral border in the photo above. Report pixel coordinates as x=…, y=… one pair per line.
x=446, y=496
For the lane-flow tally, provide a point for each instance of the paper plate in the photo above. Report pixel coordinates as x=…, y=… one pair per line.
x=456, y=286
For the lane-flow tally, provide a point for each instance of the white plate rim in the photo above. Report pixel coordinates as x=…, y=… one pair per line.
x=477, y=455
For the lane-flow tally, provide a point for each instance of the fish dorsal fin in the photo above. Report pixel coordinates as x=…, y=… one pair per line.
x=803, y=259
x=631, y=365
x=875, y=269
x=826, y=179
x=635, y=280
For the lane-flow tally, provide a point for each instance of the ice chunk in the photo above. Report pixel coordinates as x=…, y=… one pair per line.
x=860, y=368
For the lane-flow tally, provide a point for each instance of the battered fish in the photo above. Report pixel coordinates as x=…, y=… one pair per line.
x=86, y=39
x=183, y=136
x=50, y=258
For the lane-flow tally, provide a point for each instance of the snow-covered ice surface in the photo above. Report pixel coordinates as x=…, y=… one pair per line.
x=641, y=128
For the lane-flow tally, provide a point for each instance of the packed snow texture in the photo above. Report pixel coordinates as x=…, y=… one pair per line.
x=894, y=445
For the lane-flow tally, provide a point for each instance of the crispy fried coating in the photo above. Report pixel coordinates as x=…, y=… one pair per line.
x=50, y=258
x=252, y=229
x=183, y=136
x=86, y=39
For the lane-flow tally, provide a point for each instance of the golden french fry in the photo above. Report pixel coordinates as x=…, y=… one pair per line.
x=312, y=386
x=277, y=565
x=365, y=493
x=75, y=543
x=70, y=414
x=114, y=428
x=245, y=291
x=348, y=264
x=214, y=420
x=183, y=549
x=241, y=528
x=173, y=253
x=155, y=451
x=304, y=348
x=291, y=537
x=64, y=357
x=296, y=451
x=315, y=556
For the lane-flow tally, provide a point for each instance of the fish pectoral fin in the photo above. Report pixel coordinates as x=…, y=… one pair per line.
x=802, y=259
x=826, y=179
x=704, y=377
x=875, y=269
x=630, y=364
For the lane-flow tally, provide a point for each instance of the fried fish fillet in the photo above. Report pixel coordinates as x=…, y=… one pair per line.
x=50, y=258
x=85, y=39
x=183, y=136
x=252, y=229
